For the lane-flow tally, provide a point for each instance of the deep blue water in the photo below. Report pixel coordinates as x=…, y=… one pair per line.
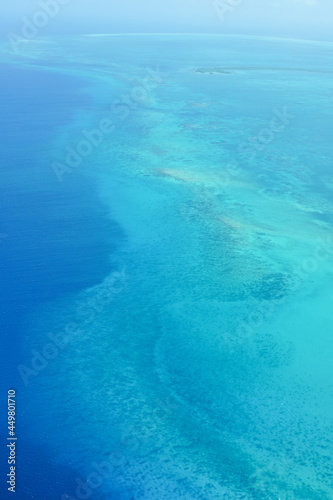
x=56, y=239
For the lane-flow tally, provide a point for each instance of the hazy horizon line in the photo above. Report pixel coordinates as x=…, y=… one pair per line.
x=243, y=35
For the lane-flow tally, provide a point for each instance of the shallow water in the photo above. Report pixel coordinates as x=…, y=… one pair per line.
x=192, y=250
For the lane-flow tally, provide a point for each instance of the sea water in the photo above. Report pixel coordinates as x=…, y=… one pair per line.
x=167, y=241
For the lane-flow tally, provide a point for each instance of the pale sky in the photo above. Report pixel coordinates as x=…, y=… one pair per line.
x=311, y=19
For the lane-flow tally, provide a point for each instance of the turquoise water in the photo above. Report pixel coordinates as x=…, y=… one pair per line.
x=200, y=363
